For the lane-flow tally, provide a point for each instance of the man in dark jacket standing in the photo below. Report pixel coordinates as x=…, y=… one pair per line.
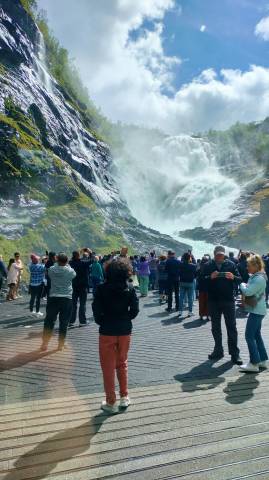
x=172, y=270
x=221, y=276
x=80, y=290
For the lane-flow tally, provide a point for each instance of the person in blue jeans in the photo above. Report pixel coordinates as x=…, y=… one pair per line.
x=187, y=274
x=255, y=287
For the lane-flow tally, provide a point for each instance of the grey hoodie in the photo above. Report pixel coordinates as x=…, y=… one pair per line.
x=61, y=281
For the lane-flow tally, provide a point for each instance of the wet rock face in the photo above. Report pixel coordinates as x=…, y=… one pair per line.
x=31, y=87
x=17, y=215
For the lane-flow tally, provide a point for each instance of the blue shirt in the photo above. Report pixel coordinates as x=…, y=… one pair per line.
x=37, y=274
x=255, y=286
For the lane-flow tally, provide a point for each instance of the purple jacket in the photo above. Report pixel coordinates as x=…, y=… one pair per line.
x=143, y=268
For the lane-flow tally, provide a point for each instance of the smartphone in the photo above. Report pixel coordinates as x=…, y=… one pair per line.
x=222, y=274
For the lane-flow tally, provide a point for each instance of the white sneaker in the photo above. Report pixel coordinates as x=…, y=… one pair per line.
x=39, y=314
x=190, y=314
x=264, y=364
x=125, y=402
x=33, y=312
x=111, y=409
x=249, y=367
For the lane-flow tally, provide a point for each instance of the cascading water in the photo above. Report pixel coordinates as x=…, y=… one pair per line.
x=176, y=185
x=40, y=60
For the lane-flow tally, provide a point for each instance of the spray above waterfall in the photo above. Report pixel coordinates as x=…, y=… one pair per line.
x=176, y=184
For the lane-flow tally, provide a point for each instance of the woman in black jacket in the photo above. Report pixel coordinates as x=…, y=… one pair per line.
x=114, y=308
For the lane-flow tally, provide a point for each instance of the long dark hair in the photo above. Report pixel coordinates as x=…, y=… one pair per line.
x=11, y=261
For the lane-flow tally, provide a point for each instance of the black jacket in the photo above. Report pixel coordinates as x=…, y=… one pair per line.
x=82, y=270
x=172, y=268
x=187, y=272
x=221, y=289
x=114, y=307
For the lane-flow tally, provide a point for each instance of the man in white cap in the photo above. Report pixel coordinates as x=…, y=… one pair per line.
x=222, y=275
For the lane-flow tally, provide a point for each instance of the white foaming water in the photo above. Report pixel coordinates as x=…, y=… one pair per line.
x=41, y=66
x=176, y=185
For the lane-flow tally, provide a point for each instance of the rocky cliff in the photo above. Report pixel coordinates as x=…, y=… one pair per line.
x=56, y=188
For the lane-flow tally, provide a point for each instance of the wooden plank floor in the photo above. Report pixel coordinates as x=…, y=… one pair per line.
x=189, y=418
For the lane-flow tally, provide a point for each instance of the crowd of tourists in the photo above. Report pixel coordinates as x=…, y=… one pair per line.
x=115, y=281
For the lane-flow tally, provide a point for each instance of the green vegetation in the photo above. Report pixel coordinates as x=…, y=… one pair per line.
x=251, y=140
x=2, y=69
x=66, y=227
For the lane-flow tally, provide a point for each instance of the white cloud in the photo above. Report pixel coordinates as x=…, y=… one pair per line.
x=203, y=28
x=262, y=29
x=128, y=73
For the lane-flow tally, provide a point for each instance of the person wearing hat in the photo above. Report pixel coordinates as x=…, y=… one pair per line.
x=221, y=276
x=37, y=275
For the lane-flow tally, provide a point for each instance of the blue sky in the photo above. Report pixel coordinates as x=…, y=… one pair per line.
x=227, y=42
x=141, y=59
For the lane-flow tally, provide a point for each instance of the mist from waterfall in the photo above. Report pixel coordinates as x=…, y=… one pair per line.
x=176, y=184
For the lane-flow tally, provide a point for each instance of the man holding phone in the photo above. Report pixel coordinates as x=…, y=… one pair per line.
x=221, y=276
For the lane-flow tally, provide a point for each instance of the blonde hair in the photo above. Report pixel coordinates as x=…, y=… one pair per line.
x=256, y=261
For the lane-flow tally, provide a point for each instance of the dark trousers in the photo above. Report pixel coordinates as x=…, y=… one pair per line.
x=216, y=309
x=173, y=286
x=35, y=292
x=162, y=287
x=79, y=293
x=152, y=279
x=63, y=307
x=95, y=282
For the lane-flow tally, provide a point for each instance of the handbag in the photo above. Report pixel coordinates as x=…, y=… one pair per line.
x=252, y=300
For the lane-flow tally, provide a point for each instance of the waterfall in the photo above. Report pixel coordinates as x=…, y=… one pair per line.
x=41, y=67
x=175, y=185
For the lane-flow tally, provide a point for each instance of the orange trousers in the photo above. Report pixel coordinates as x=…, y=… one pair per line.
x=113, y=352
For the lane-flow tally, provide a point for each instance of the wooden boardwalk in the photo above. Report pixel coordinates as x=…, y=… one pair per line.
x=190, y=419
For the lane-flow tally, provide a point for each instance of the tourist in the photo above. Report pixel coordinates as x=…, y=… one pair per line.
x=266, y=268
x=114, y=308
x=162, y=279
x=87, y=258
x=3, y=272
x=49, y=263
x=187, y=274
x=153, y=262
x=254, y=299
x=232, y=258
x=12, y=278
x=143, y=274
x=134, y=277
x=19, y=264
x=36, y=284
x=221, y=274
x=172, y=270
x=80, y=289
x=97, y=274
x=202, y=289
x=60, y=300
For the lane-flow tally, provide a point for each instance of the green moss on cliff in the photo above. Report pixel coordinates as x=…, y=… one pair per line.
x=66, y=227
